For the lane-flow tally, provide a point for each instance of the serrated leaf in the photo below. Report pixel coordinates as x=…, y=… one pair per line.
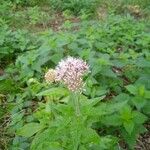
x=146, y=108
x=122, y=97
x=138, y=117
x=147, y=94
x=108, y=72
x=141, y=90
x=29, y=129
x=112, y=120
x=141, y=62
x=49, y=146
x=113, y=107
x=132, y=89
x=47, y=135
x=139, y=102
x=126, y=113
x=129, y=125
x=54, y=92
x=56, y=57
x=93, y=101
x=109, y=108
x=92, y=136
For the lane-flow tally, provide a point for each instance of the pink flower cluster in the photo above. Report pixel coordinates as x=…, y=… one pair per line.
x=71, y=71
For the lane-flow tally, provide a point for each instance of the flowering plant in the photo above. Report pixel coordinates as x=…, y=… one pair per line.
x=74, y=124
x=70, y=71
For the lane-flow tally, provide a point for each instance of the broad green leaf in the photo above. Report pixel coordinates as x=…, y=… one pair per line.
x=147, y=94
x=82, y=147
x=146, y=108
x=121, y=97
x=141, y=90
x=141, y=62
x=107, y=142
x=29, y=129
x=49, y=146
x=139, y=102
x=129, y=125
x=56, y=57
x=92, y=137
x=108, y=73
x=100, y=92
x=126, y=113
x=129, y=138
x=112, y=120
x=132, y=89
x=47, y=135
x=117, y=106
x=93, y=101
x=60, y=92
x=108, y=108
x=138, y=117
x=65, y=99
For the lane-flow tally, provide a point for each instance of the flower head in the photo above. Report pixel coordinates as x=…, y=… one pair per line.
x=71, y=71
x=50, y=75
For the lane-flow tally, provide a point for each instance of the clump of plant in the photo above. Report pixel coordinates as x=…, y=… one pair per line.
x=76, y=7
x=68, y=124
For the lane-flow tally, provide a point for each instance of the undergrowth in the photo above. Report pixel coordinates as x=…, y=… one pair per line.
x=115, y=104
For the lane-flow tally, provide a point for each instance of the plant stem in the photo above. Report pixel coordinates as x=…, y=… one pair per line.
x=75, y=97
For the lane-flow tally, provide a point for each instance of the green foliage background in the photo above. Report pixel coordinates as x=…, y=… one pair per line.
x=116, y=103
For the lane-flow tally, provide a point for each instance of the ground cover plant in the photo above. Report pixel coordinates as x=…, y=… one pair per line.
x=74, y=75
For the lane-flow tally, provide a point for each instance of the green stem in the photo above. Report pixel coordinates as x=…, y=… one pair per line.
x=75, y=97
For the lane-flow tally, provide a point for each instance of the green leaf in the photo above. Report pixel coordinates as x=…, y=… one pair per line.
x=147, y=94
x=132, y=89
x=56, y=57
x=40, y=138
x=54, y=92
x=139, y=102
x=129, y=125
x=108, y=72
x=126, y=113
x=29, y=129
x=92, y=101
x=130, y=138
x=138, y=117
x=49, y=146
x=112, y=120
x=141, y=90
x=121, y=97
x=82, y=147
x=141, y=62
x=114, y=107
x=108, y=108
x=92, y=137
x=146, y=108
